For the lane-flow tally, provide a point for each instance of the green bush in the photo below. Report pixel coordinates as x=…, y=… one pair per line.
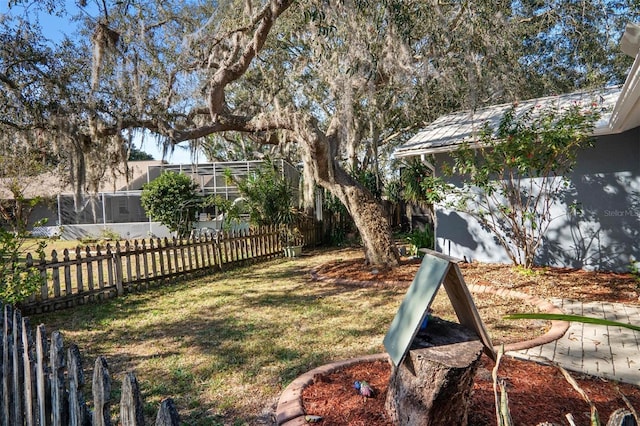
x=420, y=239
x=267, y=198
x=172, y=200
x=17, y=280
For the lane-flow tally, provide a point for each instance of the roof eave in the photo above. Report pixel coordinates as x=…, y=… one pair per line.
x=602, y=130
x=628, y=100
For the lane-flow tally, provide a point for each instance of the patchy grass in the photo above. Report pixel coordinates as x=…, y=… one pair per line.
x=30, y=245
x=225, y=346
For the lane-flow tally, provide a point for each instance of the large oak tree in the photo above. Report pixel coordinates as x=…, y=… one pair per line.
x=335, y=83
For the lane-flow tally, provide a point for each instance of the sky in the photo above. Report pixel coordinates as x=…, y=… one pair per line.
x=54, y=28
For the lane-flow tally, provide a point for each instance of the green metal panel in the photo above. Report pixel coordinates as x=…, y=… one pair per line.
x=414, y=306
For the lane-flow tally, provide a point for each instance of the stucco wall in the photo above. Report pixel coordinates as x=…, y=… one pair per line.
x=605, y=235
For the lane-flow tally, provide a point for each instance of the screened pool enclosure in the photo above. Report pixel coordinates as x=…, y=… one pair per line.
x=121, y=211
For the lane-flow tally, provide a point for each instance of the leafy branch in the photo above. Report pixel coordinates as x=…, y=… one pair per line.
x=513, y=176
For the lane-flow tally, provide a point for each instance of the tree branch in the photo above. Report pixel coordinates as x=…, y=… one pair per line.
x=225, y=75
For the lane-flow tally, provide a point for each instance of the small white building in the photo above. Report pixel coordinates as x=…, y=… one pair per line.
x=605, y=183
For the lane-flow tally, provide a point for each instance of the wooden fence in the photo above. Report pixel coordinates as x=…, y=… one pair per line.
x=81, y=276
x=42, y=384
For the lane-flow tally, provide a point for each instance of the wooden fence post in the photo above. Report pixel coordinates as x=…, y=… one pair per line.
x=58, y=394
x=89, y=268
x=175, y=255
x=18, y=368
x=218, y=249
x=79, y=414
x=131, y=407
x=168, y=415
x=160, y=257
x=100, y=268
x=110, y=265
x=28, y=358
x=28, y=262
x=145, y=260
x=117, y=260
x=68, y=289
x=55, y=274
x=188, y=244
x=42, y=377
x=167, y=249
x=6, y=367
x=44, y=289
x=152, y=249
x=79, y=280
x=101, y=391
x=127, y=261
x=136, y=255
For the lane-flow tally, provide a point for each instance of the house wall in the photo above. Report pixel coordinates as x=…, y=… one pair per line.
x=604, y=234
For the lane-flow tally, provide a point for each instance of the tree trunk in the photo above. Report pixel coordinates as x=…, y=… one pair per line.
x=369, y=217
x=320, y=151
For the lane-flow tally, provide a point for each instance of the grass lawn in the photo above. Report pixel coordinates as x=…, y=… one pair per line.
x=226, y=345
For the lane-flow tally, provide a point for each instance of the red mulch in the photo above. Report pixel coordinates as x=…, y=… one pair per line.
x=333, y=397
x=537, y=393
x=544, y=282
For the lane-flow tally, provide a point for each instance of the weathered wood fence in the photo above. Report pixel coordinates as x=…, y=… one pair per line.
x=90, y=273
x=42, y=384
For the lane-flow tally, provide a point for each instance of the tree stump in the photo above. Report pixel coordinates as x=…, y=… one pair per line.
x=433, y=384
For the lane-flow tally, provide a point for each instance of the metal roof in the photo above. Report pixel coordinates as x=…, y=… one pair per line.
x=448, y=131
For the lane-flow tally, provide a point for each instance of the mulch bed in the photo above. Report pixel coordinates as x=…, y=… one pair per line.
x=537, y=393
x=543, y=282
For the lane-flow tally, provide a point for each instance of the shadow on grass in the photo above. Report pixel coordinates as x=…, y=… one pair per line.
x=204, y=341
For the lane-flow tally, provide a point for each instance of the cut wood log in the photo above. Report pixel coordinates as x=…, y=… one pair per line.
x=433, y=384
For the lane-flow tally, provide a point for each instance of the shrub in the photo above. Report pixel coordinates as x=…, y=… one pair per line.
x=17, y=280
x=420, y=239
x=172, y=200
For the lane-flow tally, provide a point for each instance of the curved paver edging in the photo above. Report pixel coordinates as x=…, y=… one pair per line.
x=290, y=411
